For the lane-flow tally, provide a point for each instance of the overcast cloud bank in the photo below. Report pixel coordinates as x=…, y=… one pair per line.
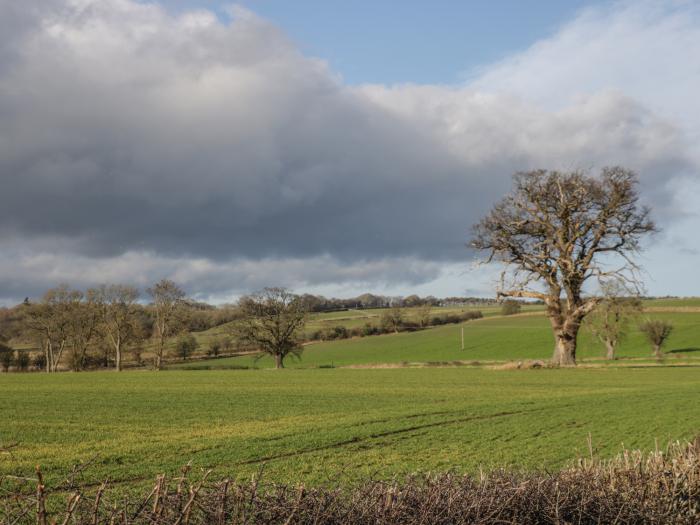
x=137, y=144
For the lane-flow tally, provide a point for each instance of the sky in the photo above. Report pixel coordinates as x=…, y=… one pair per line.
x=330, y=147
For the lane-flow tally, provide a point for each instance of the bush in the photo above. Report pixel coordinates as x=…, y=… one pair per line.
x=455, y=318
x=186, y=345
x=214, y=348
x=370, y=329
x=226, y=344
x=657, y=332
x=510, y=307
x=22, y=360
x=355, y=332
x=410, y=326
x=392, y=320
x=473, y=314
x=39, y=361
x=137, y=354
x=7, y=357
x=337, y=332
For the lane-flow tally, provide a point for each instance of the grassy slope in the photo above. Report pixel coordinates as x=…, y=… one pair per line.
x=489, y=339
x=311, y=424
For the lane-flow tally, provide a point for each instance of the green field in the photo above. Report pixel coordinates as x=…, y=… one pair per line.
x=348, y=318
x=319, y=425
x=486, y=340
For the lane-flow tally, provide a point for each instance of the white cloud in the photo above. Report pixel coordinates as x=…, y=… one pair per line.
x=217, y=154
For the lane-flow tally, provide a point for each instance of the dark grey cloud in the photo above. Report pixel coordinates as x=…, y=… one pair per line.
x=136, y=143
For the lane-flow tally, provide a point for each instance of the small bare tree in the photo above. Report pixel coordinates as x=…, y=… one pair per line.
x=167, y=298
x=423, y=313
x=393, y=319
x=610, y=320
x=272, y=321
x=120, y=327
x=555, y=232
x=657, y=332
x=510, y=307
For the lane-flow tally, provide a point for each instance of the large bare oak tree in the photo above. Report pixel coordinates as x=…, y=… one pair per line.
x=557, y=231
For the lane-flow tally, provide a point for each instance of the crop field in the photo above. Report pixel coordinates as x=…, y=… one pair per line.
x=352, y=319
x=518, y=337
x=377, y=406
x=336, y=425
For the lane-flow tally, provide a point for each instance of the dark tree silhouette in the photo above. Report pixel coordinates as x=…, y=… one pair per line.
x=272, y=321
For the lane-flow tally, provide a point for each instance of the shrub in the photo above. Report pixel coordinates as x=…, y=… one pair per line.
x=22, y=360
x=39, y=361
x=214, y=348
x=437, y=320
x=341, y=332
x=337, y=332
x=7, y=357
x=472, y=314
x=186, y=345
x=392, y=319
x=137, y=354
x=370, y=329
x=355, y=332
x=510, y=307
x=455, y=318
x=657, y=332
x=226, y=344
x=410, y=326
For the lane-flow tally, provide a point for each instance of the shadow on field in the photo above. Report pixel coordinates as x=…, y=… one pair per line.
x=684, y=350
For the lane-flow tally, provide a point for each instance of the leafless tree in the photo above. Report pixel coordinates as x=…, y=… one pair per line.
x=657, y=331
x=50, y=320
x=555, y=232
x=272, y=321
x=393, y=318
x=423, y=314
x=511, y=307
x=117, y=303
x=83, y=325
x=610, y=319
x=167, y=298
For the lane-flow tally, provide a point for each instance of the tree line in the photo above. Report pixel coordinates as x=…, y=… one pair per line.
x=98, y=326
x=319, y=303
x=101, y=326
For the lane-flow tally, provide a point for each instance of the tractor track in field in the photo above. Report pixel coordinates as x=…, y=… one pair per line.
x=377, y=435
x=67, y=488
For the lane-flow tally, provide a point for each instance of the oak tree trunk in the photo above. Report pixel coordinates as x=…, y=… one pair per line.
x=657, y=351
x=279, y=361
x=564, y=349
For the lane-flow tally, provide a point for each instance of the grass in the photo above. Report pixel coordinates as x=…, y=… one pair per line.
x=488, y=339
x=342, y=425
x=319, y=425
